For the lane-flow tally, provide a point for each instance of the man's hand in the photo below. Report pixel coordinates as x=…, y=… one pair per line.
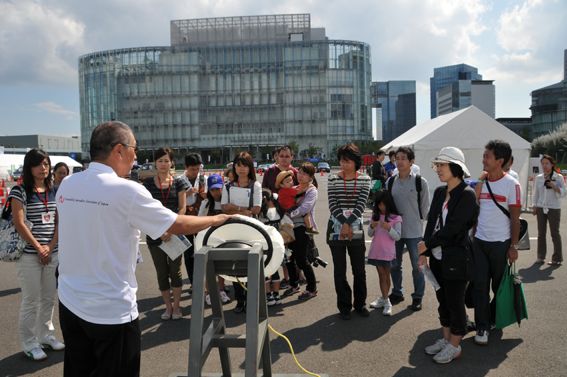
x=220, y=219
x=165, y=237
x=422, y=261
x=421, y=248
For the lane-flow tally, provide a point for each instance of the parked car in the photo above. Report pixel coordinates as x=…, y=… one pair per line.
x=17, y=174
x=323, y=166
x=147, y=170
x=262, y=168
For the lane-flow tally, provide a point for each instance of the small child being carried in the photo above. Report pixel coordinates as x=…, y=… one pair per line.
x=287, y=197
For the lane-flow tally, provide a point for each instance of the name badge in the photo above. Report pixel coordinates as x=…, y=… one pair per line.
x=347, y=213
x=48, y=217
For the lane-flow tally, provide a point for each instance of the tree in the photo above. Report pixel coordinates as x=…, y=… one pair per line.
x=553, y=144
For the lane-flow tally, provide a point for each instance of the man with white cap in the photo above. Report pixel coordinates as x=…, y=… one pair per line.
x=446, y=242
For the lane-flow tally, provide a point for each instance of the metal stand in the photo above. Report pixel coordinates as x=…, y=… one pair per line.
x=208, y=263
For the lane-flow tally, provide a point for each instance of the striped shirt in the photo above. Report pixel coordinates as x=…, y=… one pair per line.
x=348, y=195
x=34, y=209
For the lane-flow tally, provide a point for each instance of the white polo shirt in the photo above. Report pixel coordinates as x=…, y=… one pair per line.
x=100, y=218
x=493, y=224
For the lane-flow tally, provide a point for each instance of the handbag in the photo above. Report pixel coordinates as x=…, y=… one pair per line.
x=524, y=239
x=11, y=243
x=510, y=300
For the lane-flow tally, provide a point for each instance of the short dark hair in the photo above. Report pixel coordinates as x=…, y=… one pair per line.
x=244, y=158
x=285, y=147
x=350, y=152
x=61, y=164
x=34, y=158
x=107, y=135
x=380, y=153
x=163, y=151
x=309, y=169
x=192, y=159
x=408, y=151
x=391, y=153
x=456, y=171
x=501, y=150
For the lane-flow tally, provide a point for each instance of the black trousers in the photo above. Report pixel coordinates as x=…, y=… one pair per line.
x=490, y=260
x=355, y=251
x=189, y=257
x=299, y=257
x=451, y=298
x=99, y=350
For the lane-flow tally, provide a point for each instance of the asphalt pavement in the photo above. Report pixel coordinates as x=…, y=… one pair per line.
x=325, y=344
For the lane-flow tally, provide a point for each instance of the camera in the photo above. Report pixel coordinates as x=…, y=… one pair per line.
x=547, y=183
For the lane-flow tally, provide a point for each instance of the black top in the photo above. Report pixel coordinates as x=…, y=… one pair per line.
x=462, y=213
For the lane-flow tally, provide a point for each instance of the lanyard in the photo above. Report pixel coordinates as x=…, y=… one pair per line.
x=44, y=201
x=355, y=180
x=164, y=197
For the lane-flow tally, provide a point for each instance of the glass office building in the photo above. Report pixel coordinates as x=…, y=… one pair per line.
x=446, y=76
x=396, y=99
x=549, y=105
x=233, y=83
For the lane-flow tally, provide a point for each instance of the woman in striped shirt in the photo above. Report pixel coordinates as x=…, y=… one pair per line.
x=35, y=201
x=348, y=192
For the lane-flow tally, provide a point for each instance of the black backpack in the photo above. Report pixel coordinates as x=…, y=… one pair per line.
x=417, y=188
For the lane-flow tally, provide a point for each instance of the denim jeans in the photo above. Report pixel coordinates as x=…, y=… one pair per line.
x=396, y=270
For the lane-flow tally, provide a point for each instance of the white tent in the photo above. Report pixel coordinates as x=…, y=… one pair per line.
x=10, y=162
x=468, y=129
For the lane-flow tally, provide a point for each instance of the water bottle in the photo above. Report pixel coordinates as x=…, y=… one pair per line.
x=428, y=274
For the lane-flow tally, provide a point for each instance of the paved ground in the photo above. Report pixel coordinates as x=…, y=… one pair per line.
x=374, y=346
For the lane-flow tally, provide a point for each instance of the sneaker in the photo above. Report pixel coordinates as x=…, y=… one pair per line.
x=416, y=305
x=166, y=316
x=284, y=284
x=306, y=295
x=52, y=342
x=36, y=354
x=291, y=291
x=277, y=298
x=270, y=299
x=176, y=315
x=387, y=308
x=208, y=299
x=447, y=354
x=311, y=231
x=481, y=337
x=396, y=299
x=378, y=303
x=363, y=312
x=224, y=297
x=436, y=347
x=540, y=261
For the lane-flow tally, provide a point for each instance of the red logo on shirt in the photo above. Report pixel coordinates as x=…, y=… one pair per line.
x=61, y=199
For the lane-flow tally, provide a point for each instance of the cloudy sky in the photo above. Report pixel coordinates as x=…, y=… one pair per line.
x=517, y=43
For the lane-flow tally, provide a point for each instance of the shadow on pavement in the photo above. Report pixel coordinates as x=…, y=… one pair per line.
x=19, y=365
x=8, y=292
x=536, y=272
x=475, y=361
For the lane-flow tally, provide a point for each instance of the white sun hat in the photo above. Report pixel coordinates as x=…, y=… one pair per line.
x=452, y=155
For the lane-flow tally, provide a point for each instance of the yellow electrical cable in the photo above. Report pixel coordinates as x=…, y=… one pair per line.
x=286, y=340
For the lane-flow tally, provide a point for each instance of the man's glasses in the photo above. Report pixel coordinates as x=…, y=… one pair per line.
x=135, y=147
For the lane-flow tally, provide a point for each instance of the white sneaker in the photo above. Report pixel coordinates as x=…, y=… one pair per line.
x=378, y=303
x=208, y=299
x=436, y=347
x=53, y=343
x=481, y=337
x=36, y=354
x=387, y=308
x=447, y=354
x=224, y=297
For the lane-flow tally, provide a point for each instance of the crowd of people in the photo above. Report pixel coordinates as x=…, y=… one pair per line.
x=86, y=227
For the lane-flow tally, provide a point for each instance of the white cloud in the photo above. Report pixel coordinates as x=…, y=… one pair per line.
x=38, y=43
x=54, y=108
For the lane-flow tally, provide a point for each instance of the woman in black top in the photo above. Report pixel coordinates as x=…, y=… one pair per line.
x=171, y=192
x=446, y=242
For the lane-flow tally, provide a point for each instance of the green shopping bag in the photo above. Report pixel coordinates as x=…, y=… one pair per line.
x=377, y=186
x=510, y=301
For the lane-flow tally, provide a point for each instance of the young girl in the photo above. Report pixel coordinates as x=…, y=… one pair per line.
x=386, y=229
x=209, y=207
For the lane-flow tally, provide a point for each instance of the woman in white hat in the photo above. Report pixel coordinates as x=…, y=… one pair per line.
x=446, y=242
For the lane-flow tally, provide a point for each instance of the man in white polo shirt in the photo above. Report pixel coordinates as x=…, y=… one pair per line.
x=100, y=218
x=497, y=232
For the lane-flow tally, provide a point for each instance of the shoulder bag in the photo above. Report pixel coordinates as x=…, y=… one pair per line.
x=11, y=243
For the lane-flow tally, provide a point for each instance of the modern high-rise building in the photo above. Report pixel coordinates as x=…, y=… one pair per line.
x=465, y=93
x=549, y=105
x=446, y=76
x=396, y=102
x=232, y=83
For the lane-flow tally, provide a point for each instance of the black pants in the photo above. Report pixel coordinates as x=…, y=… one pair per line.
x=299, y=256
x=356, y=251
x=189, y=257
x=99, y=350
x=490, y=260
x=239, y=294
x=451, y=298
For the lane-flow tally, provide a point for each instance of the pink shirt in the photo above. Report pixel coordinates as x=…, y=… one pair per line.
x=383, y=246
